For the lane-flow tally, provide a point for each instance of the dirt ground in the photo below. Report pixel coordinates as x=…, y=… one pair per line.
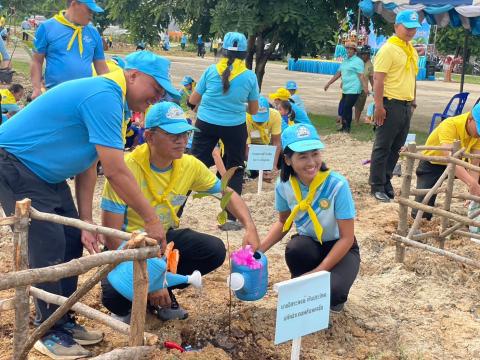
x=426, y=308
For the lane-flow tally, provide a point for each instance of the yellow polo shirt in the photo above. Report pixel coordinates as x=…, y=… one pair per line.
x=449, y=130
x=195, y=176
x=273, y=127
x=399, y=81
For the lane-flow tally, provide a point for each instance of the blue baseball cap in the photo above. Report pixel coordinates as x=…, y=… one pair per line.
x=169, y=117
x=476, y=116
x=92, y=5
x=235, y=41
x=263, y=113
x=301, y=138
x=408, y=18
x=187, y=80
x=291, y=85
x=119, y=61
x=155, y=66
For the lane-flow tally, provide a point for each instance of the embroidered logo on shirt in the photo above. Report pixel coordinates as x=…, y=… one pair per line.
x=87, y=39
x=324, y=204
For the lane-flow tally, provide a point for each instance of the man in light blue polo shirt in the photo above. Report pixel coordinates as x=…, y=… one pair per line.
x=353, y=81
x=86, y=124
x=69, y=43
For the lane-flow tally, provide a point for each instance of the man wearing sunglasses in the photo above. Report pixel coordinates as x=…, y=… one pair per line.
x=166, y=175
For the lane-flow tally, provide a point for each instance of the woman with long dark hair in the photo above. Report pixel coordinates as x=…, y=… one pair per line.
x=222, y=92
x=320, y=203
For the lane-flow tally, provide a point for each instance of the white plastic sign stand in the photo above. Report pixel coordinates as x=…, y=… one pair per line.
x=303, y=307
x=261, y=158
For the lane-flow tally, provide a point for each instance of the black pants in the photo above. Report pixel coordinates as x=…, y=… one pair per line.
x=234, y=139
x=427, y=175
x=304, y=254
x=25, y=36
x=349, y=101
x=48, y=243
x=198, y=251
x=389, y=138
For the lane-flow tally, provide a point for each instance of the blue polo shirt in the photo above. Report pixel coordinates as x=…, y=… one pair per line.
x=333, y=201
x=227, y=109
x=298, y=101
x=350, y=69
x=55, y=135
x=51, y=40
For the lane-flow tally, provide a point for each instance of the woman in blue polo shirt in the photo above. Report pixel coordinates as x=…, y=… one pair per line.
x=225, y=92
x=353, y=82
x=320, y=203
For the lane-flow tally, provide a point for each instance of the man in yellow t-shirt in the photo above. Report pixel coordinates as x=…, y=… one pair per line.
x=265, y=128
x=464, y=127
x=166, y=175
x=395, y=70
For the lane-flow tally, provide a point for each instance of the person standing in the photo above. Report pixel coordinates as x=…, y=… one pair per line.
x=183, y=41
x=35, y=162
x=364, y=54
x=353, y=81
x=25, y=27
x=226, y=92
x=394, y=86
x=200, y=46
x=69, y=44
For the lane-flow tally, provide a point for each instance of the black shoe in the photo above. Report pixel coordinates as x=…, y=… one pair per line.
x=389, y=190
x=381, y=196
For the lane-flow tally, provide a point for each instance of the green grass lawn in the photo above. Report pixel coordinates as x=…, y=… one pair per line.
x=469, y=79
x=326, y=125
x=22, y=67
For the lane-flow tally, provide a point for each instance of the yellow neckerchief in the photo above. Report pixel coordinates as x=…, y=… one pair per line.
x=118, y=77
x=77, y=31
x=306, y=204
x=7, y=97
x=261, y=129
x=222, y=148
x=238, y=67
x=290, y=122
x=141, y=155
x=408, y=48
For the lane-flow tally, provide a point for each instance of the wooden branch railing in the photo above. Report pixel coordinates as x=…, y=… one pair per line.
x=138, y=249
x=410, y=237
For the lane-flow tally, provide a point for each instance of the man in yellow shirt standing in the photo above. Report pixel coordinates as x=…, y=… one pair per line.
x=396, y=67
x=464, y=127
x=265, y=128
x=166, y=175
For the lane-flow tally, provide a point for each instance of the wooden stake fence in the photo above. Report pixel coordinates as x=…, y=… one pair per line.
x=409, y=237
x=138, y=249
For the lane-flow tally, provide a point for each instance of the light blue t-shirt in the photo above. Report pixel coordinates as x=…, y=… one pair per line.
x=55, y=135
x=333, y=201
x=298, y=101
x=3, y=50
x=227, y=109
x=51, y=40
x=350, y=69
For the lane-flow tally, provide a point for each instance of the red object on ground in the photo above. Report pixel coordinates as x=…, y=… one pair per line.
x=173, y=345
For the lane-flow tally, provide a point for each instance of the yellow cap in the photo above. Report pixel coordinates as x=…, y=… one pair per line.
x=281, y=93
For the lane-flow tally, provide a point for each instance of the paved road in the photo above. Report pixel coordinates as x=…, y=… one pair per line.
x=432, y=95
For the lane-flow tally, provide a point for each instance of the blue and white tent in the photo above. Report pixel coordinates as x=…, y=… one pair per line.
x=456, y=13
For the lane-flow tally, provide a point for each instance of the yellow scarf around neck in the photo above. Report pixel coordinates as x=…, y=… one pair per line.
x=261, y=129
x=238, y=67
x=141, y=155
x=306, y=204
x=60, y=17
x=409, y=50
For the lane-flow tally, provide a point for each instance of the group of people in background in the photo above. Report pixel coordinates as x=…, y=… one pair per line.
x=147, y=187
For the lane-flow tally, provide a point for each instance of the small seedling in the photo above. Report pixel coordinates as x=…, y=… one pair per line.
x=224, y=199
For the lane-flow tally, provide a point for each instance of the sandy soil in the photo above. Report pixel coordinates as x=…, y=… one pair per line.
x=427, y=308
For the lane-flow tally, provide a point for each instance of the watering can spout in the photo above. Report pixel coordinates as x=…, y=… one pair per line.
x=235, y=281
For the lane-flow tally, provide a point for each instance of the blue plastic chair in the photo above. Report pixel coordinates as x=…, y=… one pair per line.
x=453, y=108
